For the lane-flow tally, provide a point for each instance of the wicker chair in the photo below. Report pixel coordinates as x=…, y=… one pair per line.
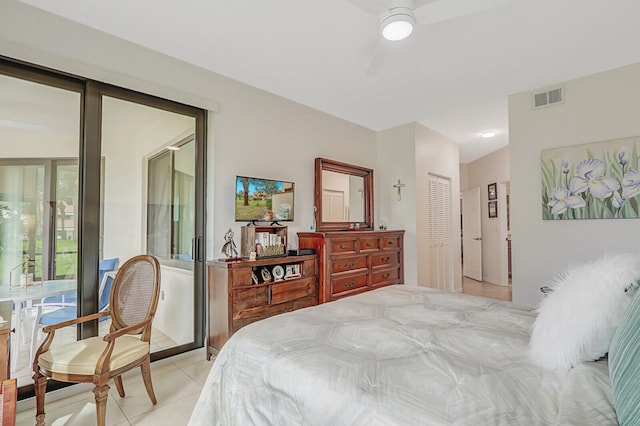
x=97, y=360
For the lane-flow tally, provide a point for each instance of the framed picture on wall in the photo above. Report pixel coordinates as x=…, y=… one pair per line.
x=493, y=209
x=493, y=191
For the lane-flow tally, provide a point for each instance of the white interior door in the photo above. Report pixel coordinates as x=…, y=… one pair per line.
x=333, y=208
x=472, y=234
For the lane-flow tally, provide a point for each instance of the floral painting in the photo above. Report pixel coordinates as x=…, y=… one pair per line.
x=593, y=181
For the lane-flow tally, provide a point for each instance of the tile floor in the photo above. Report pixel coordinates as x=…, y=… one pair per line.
x=177, y=382
x=485, y=289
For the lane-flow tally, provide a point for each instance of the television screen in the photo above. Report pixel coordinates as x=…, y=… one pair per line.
x=263, y=200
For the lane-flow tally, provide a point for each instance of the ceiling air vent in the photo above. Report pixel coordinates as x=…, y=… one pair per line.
x=548, y=98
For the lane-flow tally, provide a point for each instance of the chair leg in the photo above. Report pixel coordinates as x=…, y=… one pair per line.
x=146, y=378
x=118, y=381
x=101, y=393
x=40, y=386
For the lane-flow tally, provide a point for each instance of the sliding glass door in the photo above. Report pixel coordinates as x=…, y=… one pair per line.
x=39, y=145
x=149, y=203
x=90, y=176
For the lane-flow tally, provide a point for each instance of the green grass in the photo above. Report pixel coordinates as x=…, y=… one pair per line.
x=255, y=209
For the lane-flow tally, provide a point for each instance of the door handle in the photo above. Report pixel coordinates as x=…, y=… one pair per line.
x=478, y=238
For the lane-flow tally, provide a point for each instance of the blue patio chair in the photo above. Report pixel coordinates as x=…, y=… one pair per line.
x=66, y=310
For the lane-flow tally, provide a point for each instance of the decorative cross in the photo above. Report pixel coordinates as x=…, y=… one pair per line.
x=399, y=187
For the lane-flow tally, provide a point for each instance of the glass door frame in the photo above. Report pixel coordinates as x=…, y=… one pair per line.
x=89, y=190
x=95, y=92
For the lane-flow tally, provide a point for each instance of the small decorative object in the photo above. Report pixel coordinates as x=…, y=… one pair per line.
x=254, y=277
x=266, y=275
x=292, y=271
x=493, y=209
x=229, y=246
x=21, y=276
x=599, y=180
x=313, y=223
x=399, y=187
x=493, y=191
x=278, y=272
x=252, y=256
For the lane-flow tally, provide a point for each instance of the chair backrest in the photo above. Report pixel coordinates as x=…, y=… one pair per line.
x=106, y=265
x=134, y=293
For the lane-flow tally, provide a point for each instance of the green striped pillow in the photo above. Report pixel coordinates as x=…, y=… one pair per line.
x=624, y=365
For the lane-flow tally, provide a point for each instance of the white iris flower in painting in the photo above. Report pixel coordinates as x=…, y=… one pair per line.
x=631, y=184
x=590, y=176
x=617, y=200
x=562, y=199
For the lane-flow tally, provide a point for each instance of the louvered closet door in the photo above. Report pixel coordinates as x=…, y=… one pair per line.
x=439, y=232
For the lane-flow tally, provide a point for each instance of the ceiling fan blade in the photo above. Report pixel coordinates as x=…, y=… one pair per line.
x=429, y=12
x=377, y=59
x=373, y=7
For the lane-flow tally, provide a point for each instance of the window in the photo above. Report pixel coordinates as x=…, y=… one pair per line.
x=170, y=202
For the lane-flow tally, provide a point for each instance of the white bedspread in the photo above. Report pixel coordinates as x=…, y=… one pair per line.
x=398, y=356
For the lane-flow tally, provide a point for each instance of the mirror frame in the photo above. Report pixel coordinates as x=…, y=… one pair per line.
x=349, y=169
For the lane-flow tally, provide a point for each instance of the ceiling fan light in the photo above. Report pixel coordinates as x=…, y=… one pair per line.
x=397, y=26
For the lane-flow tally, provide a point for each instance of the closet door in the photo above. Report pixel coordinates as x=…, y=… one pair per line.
x=439, y=232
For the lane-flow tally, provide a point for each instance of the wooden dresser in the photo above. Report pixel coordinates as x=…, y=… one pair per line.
x=6, y=308
x=352, y=262
x=235, y=299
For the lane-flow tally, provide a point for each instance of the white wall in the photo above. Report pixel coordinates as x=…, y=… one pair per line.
x=598, y=107
x=492, y=168
x=409, y=153
x=437, y=155
x=396, y=160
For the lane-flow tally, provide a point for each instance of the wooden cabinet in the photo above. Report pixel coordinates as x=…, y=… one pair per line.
x=5, y=328
x=266, y=241
x=351, y=262
x=242, y=292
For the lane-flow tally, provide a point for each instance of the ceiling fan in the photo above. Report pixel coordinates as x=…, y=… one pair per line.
x=399, y=17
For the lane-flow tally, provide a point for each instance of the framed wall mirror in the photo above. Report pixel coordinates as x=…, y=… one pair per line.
x=343, y=196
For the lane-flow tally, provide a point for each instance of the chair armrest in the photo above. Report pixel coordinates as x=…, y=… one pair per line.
x=80, y=320
x=127, y=330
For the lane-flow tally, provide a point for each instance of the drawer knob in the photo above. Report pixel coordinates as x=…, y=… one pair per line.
x=349, y=265
x=350, y=284
x=343, y=246
x=389, y=243
x=386, y=276
x=386, y=259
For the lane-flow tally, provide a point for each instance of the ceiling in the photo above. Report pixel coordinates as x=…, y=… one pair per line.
x=453, y=75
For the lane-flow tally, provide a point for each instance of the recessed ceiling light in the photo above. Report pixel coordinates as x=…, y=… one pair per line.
x=173, y=148
x=488, y=134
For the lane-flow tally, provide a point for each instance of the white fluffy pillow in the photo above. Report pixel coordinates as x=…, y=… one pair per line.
x=578, y=319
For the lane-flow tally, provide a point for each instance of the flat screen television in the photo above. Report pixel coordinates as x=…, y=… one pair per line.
x=263, y=200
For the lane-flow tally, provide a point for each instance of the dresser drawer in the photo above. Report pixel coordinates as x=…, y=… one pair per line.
x=343, y=246
x=387, y=243
x=348, y=283
x=287, y=291
x=385, y=277
x=368, y=244
x=385, y=259
x=343, y=264
x=242, y=277
x=250, y=297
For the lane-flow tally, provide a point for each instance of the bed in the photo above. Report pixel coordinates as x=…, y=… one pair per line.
x=399, y=355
